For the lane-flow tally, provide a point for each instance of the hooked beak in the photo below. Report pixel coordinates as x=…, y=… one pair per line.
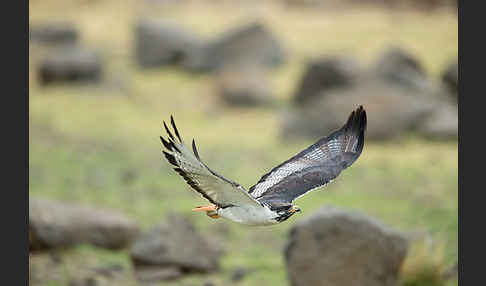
x=296, y=209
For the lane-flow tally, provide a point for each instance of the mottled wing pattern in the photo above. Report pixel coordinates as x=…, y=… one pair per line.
x=212, y=186
x=315, y=166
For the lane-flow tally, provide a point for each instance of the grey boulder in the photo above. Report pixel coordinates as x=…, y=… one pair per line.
x=171, y=250
x=70, y=65
x=390, y=111
x=335, y=247
x=159, y=43
x=450, y=77
x=243, y=86
x=54, y=33
x=55, y=224
x=250, y=44
x=325, y=74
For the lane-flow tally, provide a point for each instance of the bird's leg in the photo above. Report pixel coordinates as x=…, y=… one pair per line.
x=211, y=210
x=212, y=214
x=205, y=208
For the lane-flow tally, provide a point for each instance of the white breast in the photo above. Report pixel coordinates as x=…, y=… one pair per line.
x=249, y=215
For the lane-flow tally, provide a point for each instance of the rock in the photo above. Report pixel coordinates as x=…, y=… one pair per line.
x=442, y=123
x=173, y=249
x=55, y=257
x=108, y=270
x=250, y=44
x=337, y=247
x=243, y=86
x=395, y=69
x=452, y=272
x=54, y=33
x=239, y=273
x=70, y=65
x=57, y=225
x=399, y=68
x=325, y=74
x=83, y=282
x=450, y=77
x=128, y=176
x=163, y=43
x=80, y=269
x=390, y=111
x=156, y=273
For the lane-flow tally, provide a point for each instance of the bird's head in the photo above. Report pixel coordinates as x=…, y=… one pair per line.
x=295, y=209
x=287, y=212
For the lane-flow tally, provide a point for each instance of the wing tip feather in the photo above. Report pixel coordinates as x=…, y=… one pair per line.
x=172, y=122
x=166, y=144
x=171, y=158
x=170, y=142
x=357, y=120
x=194, y=149
x=168, y=131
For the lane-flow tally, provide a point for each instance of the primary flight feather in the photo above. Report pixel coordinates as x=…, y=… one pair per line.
x=271, y=199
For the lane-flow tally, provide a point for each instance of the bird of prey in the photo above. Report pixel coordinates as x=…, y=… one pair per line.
x=271, y=199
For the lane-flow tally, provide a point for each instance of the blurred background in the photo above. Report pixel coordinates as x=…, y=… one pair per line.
x=254, y=82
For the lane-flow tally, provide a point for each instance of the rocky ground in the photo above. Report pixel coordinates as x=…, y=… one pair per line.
x=254, y=87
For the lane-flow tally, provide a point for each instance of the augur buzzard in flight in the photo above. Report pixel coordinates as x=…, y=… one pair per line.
x=271, y=199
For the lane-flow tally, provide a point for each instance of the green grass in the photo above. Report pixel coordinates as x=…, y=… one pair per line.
x=99, y=146
x=402, y=188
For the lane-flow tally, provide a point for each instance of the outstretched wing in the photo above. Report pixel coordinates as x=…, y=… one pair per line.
x=315, y=166
x=212, y=186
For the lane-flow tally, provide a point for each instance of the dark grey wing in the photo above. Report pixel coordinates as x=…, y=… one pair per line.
x=315, y=166
x=212, y=186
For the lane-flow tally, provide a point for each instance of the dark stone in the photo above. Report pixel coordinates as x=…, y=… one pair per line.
x=244, y=86
x=82, y=271
x=326, y=74
x=337, y=247
x=83, y=282
x=442, y=124
x=128, y=176
x=70, y=65
x=109, y=270
x=391, y=112
x=250, y=44
x=400, y=68
x=450, y=77
x=54, y=33
x=55, y=257
x=173, y=249
x=58, y=225
x=155, y=273
x=161, y=43
x=238, y=274
x=452, y=272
